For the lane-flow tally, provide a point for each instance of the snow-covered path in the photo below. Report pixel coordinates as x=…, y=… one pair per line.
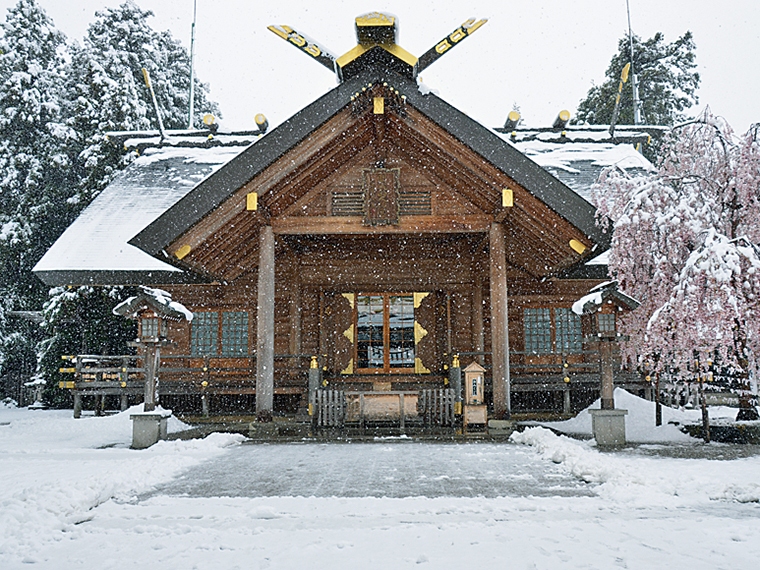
x=74, y=496
x=390, y=469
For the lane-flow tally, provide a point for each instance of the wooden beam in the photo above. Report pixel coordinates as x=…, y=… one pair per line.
x=499, y=323
x=265, y=327
x=407, y=224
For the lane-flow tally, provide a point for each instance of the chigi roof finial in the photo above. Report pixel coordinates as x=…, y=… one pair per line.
x=376, y=34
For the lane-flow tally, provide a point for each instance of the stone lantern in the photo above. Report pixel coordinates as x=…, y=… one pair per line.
x=603, y=303
x=153, y=308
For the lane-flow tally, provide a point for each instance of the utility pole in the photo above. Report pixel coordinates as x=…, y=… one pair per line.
x=191, y=109
x=634, y=79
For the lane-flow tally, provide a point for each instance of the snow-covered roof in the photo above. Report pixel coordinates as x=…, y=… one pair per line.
x=158, y=300
x=95, y=245
x=604, y=292
x=577, y=158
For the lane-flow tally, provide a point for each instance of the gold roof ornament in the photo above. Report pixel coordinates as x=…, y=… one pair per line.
x=376, y=32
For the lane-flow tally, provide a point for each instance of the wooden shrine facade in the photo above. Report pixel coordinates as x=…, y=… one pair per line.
x=383, y=232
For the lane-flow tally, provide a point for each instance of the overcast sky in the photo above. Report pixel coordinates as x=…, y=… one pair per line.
x=542, y=55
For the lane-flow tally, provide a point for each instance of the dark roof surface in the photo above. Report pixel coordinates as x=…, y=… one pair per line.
x=223, y=183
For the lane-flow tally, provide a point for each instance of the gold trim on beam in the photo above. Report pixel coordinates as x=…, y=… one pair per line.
x=252, y=201
x=375, y=19
x=419, y=368
x=182, y=252
x=350, y=297
x=419, y=333
x=349, y=334
x=350, y=368
x=507, y=198
x=418, y=297
x=577, y=246
x=393, y=49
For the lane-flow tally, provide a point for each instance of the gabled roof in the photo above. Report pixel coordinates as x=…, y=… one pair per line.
x=218, y=187
x=602, y=294
x=94, y=248
x=156, y=300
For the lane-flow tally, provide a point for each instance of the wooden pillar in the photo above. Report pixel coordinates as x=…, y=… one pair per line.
x=123, y=402
x=499, y=322
x=478, y=341
x=152, y=357
x=265, y=327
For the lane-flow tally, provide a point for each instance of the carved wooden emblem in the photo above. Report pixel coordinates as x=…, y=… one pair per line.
x=381, y=193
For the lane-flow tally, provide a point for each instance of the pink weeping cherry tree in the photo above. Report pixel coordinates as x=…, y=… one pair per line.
x=685, y=244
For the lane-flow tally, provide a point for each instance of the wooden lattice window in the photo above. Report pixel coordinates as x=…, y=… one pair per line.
x=568, y=336
x=234, y=333
x=149, y=327
x=347, y=202
x=204, y=333
x=538, y=330
x=606, y=322
x=552, y=330
x=415, y=202
x=211, y=335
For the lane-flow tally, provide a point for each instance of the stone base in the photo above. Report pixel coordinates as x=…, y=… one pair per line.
x=608, y=426
x=263, y=430
x=148, y=428
x=500, y=428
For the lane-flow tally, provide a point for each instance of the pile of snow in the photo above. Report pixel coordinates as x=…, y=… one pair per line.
x=647, y=480
x=639, y=423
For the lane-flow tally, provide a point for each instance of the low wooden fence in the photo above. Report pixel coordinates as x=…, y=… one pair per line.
x=437, y=407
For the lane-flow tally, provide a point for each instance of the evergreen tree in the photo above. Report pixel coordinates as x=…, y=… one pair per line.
x=80, y=320
x=667, y=83
x=106, y=90
x=33, y=168
x=55, y=156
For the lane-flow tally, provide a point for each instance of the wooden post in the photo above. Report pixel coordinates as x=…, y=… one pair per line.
x=499, y=323
x=152, y=356
x=77, y=405
x=124, y=402
x=703, y=405
x=657, y=403
x=295, y=310
x=265, y=327
x=606, y=365
x=315, y=379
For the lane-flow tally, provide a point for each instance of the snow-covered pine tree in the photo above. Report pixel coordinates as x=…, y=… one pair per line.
x=54, y=155
x=666, y=77
x=685, y=244
x=33, y=167
x=105, y=89
x=80, y=320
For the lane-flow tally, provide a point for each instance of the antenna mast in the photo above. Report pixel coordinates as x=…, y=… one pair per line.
x=191, y=110
x=634, y=79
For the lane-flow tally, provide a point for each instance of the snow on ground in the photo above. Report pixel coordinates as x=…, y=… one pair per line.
x=75, y=496
x=639, y=422
x=55, y=470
